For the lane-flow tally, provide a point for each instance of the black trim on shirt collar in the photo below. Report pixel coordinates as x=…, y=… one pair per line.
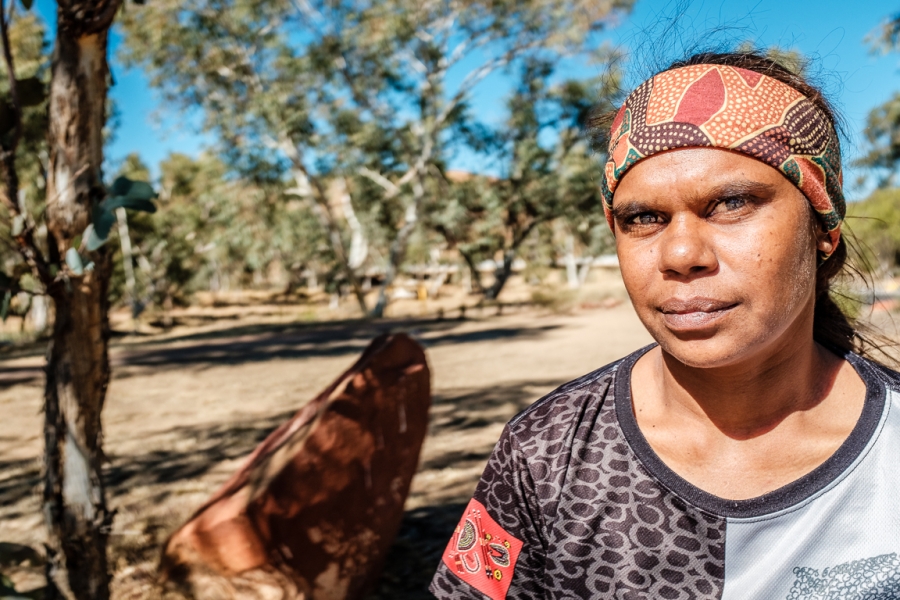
x=777, y=500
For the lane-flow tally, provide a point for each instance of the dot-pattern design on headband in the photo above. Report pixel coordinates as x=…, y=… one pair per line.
x=715, y=106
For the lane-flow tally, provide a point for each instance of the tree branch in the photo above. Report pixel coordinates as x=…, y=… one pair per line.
x=311, y=187
x=87, y=18
x=313, y=16
x=13, y=94
x=24, y=238
x=389, y=186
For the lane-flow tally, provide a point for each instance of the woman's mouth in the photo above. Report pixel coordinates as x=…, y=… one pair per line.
x=693, y=313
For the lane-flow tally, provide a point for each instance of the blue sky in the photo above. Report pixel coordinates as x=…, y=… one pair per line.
x=832, y=32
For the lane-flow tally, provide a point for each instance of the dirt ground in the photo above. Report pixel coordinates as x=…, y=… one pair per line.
x=184, y=409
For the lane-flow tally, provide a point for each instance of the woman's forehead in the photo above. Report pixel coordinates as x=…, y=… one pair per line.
x=703, y=106
x=695, y=170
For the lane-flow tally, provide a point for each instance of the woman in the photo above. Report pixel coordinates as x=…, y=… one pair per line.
x=750, y=453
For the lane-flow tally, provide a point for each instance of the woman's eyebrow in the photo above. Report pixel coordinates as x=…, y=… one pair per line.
x=740, y=187
x=631, y=207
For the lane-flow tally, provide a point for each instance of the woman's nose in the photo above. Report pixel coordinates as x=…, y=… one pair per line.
x=685, y=250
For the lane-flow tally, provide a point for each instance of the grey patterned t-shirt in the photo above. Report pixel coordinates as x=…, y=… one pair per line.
x=575, y=504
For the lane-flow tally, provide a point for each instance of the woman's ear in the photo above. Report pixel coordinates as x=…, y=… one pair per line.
x=825, y=246
x=823, y=239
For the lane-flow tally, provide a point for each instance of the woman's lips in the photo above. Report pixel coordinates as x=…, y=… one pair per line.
x=693, y=313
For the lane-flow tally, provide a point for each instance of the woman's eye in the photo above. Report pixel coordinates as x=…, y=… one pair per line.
x=729, y=204
x=645, y=219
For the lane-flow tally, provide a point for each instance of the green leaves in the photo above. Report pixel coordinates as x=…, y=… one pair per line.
x=882, y=135
x=886, y=37
x=126, y=188
x=4, y=305
x=353, y=85
x=8, y=286
x=139, y=204
x=31, y=92
x=882, y=130
x=18, y=225
x=876, y=220
x=124, y=193
x=7, y=116
x=73, y=261
x=98, y=231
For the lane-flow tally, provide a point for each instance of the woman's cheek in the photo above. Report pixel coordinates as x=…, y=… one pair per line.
x=782, y=273
x=639, y=271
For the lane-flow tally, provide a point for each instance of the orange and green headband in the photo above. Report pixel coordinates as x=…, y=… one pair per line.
x=715, y=106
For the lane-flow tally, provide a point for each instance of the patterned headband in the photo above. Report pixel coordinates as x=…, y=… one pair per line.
x=716, y=106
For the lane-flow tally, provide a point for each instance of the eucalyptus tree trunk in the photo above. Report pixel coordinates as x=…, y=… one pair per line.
x=504, y=270
x=474, y=274
x=399, y=246
x=501, y=275
x=310, y=187
x=77, y=370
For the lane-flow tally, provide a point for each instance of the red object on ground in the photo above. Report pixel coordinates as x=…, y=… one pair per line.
x=315, y=508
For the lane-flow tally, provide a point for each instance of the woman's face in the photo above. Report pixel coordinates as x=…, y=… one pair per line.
x=718, y=253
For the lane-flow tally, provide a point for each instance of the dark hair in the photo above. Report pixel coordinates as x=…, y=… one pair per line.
x=833, y=327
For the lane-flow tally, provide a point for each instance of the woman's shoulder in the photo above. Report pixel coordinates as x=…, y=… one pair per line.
x=869, y=369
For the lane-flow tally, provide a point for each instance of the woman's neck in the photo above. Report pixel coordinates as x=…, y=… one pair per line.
x=751, y=398
x=725, y=429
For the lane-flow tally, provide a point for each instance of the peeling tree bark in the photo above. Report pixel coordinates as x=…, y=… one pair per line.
x=77, y=370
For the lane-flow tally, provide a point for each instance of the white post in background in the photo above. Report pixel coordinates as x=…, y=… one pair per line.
x=127, y=263
x=571, y=267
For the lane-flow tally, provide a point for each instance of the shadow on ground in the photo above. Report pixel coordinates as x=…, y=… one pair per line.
x=20, y=479
x=192, y=452
x=424, y=532
x=184, y=454
x=313, y=344
x=260, y=343
x=414, y=557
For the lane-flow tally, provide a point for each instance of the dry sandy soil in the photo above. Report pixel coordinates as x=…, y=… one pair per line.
x=184, y=409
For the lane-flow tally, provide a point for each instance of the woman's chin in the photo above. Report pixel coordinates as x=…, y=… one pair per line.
x=706, y=352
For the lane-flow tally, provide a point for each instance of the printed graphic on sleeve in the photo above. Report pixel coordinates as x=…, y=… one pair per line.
x=876, y=578
x=481, y=553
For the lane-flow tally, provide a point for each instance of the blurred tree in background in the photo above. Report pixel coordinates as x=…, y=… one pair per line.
x=883, y=125
x=19, y=289
x=213, y=231
x=876, y=220
x=547, y=173
x=361, y=105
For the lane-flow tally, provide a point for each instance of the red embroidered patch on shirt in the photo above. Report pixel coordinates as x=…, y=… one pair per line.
x=481, y=553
